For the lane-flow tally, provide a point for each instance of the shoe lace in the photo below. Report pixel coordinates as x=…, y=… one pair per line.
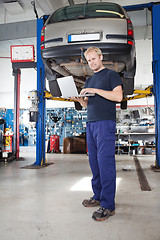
x=102, y=209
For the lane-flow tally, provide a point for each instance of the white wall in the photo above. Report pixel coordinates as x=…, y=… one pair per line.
x=144, y=76
x=28, y=83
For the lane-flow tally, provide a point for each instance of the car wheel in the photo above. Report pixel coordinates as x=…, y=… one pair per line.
x=128, y=86
x=54, y=88
x=53, y=85
x=124, y=105
x=77, y=106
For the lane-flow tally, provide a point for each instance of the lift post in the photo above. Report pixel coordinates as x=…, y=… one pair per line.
x=17, y=78
x=40, y=125
x=17, y=65
x=156, y=76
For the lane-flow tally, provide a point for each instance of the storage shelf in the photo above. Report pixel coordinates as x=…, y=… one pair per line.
x=132, y=137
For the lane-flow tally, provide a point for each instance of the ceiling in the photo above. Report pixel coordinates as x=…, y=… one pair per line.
x=18, y=7
x=23, y=10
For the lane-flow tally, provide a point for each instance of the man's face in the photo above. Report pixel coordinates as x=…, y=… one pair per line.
x=94, y=61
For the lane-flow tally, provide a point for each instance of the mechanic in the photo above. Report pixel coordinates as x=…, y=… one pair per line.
x=101, y=126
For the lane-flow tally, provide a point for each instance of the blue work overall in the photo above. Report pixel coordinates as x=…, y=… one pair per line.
x=101, y=150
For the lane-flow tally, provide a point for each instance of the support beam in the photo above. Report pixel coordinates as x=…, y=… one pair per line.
x=40, y=125
x=139, y=7
x=156, y=75
x=18, y=30
x=17, y=78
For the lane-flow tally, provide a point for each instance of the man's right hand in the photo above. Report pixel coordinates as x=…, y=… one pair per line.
x=82, y=100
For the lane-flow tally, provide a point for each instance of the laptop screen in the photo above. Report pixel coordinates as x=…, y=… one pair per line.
x=67, y=86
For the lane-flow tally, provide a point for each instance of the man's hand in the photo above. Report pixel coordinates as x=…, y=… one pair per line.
x=114, y=95
x=88, y=90
x=83, y=101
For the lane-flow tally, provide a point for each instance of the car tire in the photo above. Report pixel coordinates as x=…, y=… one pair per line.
x=124, y=105
x=53, y=85
x=54, y=88
x=78, y=106
x=128, y=86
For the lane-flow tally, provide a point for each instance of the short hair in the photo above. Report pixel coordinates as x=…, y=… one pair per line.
x=93, y=49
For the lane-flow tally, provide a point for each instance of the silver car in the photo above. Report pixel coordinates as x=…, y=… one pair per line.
x=70, y=30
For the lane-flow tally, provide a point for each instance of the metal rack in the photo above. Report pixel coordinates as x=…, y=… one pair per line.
x=135, y=137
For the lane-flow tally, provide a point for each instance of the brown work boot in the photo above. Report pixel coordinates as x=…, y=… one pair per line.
x=102, y=214
x=90, y=202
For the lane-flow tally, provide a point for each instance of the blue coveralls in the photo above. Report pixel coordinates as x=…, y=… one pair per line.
x=101, y=124
x=101, y=149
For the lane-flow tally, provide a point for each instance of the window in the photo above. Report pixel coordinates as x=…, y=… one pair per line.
x=90, y=10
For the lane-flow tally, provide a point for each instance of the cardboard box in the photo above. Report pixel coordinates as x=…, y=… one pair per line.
x=74, y=145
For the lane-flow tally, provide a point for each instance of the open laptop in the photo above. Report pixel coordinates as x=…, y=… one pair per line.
x=68, y=88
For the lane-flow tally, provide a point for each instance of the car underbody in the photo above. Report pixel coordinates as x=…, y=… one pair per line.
x=73, y=63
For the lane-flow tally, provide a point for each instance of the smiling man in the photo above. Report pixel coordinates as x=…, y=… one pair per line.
x=101, y=125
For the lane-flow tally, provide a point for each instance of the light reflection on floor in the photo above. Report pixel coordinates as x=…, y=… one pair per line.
x=85, y=184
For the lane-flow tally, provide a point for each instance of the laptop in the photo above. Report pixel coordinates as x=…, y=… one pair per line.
x=68, y=88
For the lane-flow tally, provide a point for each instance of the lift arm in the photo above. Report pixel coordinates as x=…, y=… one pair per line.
x=48, y=95
x=148, y=92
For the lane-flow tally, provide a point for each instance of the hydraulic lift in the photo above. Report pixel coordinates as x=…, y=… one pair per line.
x=155, y=89
x=147, y=92
x=156, y=74
x=138, y=93
x=18, y=62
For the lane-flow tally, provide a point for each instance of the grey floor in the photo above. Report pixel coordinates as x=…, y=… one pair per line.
x=46, y=204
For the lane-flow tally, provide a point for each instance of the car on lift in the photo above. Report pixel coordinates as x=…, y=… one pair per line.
x=70, y=30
